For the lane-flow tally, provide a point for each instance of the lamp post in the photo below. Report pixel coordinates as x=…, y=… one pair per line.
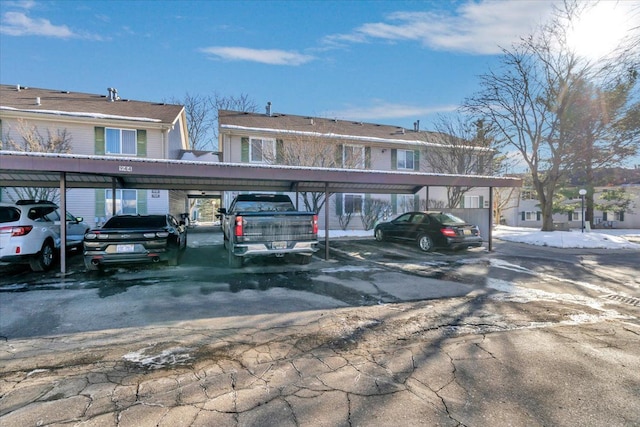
x=582, y=192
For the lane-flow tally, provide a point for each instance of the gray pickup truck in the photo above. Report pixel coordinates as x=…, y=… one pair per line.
x=267, y=224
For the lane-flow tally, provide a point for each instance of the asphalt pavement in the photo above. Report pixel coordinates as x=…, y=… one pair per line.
x=385, y=338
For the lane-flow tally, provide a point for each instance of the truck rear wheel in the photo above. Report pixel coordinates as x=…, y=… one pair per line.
x=234, y=261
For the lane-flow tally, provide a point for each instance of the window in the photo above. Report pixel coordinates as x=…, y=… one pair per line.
x=405, y=202
x=405, y=159
x=262, y=150
x=126, y=202
x=353, y=157
x=528, y=195
x=120, y=141
x=619, y=216
x=575, y=216
x=472, y=202
x=353, y=203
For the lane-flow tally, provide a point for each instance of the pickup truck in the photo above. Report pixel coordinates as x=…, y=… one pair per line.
x=267, y=224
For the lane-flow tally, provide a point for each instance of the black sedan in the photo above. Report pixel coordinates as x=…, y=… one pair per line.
x=135, y=238
x=430, y=230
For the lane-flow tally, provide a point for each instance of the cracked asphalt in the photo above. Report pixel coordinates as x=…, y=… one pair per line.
x=366, y=339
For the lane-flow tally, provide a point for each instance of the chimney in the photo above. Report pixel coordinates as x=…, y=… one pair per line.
x=269, y=108
x=110, y=97
x=417, y=125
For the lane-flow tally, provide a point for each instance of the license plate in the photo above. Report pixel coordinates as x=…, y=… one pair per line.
x=467, y=232
x=279, y=245
x=125, y=248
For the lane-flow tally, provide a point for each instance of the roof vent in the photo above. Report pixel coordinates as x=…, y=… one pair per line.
x=269, y=108
x=38, y=100
x=113, y=94
x=18, y=88
x=416, y=126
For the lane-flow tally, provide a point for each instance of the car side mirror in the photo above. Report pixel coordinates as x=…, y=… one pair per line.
x=222, y=211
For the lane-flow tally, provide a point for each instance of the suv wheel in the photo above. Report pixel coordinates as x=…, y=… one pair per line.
x=43, y=260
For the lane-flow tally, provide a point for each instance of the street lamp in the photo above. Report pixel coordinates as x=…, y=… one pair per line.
x=582, y=192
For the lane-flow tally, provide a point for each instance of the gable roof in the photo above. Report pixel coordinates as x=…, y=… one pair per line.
x=279, y=124
x=66, y=103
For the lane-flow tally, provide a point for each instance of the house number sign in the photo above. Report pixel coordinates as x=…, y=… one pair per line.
x=122, y=168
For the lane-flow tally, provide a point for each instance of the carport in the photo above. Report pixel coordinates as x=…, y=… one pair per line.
x=20, y=169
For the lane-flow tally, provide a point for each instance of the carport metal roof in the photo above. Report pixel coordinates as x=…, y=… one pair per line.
x=20, y=169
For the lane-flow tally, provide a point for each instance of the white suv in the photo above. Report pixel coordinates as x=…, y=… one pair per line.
x=30, y=233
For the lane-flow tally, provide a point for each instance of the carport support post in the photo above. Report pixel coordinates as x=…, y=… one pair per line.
x=490, y=219
x=63, y=223
x=113, y=196
x=326, y=221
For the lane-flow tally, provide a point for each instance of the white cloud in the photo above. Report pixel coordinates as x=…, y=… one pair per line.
x=474, y=27
x=384, y=110
x=264, y=56
x=19, y=24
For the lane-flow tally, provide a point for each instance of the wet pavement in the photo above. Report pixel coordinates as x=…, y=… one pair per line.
x=375, y=336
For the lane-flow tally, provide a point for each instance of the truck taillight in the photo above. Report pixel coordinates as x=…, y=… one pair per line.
x=238, y=227
x=315, y=224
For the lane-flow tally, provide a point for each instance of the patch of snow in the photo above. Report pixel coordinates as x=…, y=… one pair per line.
x=595, y=239
x=169, y=357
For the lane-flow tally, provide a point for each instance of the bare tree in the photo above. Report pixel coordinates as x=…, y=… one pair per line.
x=202, y=116
x=315, y=149
x=465, y=149
x=31, y=139
x=528, y=99
x=372, y=211
x=536, y=100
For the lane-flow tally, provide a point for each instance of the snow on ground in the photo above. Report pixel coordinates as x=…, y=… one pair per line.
x=594, y=239
x=600, y=239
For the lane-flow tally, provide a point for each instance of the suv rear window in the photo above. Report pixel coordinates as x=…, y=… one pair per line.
x=9, y=214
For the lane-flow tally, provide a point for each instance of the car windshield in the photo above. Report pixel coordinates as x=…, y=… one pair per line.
x=447, y=218
x=156, y=221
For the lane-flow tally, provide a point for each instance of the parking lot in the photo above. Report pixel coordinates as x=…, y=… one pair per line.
x=380, y=333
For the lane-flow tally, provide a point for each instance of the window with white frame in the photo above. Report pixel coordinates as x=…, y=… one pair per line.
x=405, y=203
x=405, y=159
x=126, y=202
x=353, y=203
x=575, y=216
x=262, y=150
x=472, y=202
x=120, y=141
x=619, y=216
x=353, y=157
x=530, y=216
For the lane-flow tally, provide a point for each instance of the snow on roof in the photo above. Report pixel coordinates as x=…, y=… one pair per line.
x=415, y=142
x=83, y=114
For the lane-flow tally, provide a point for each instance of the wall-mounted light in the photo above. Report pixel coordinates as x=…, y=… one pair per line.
x=383, y=150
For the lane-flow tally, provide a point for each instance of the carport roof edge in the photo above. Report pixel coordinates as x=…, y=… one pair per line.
x=20, y=169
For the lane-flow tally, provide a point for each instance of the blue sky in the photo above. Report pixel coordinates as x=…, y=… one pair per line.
x=391, y=62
